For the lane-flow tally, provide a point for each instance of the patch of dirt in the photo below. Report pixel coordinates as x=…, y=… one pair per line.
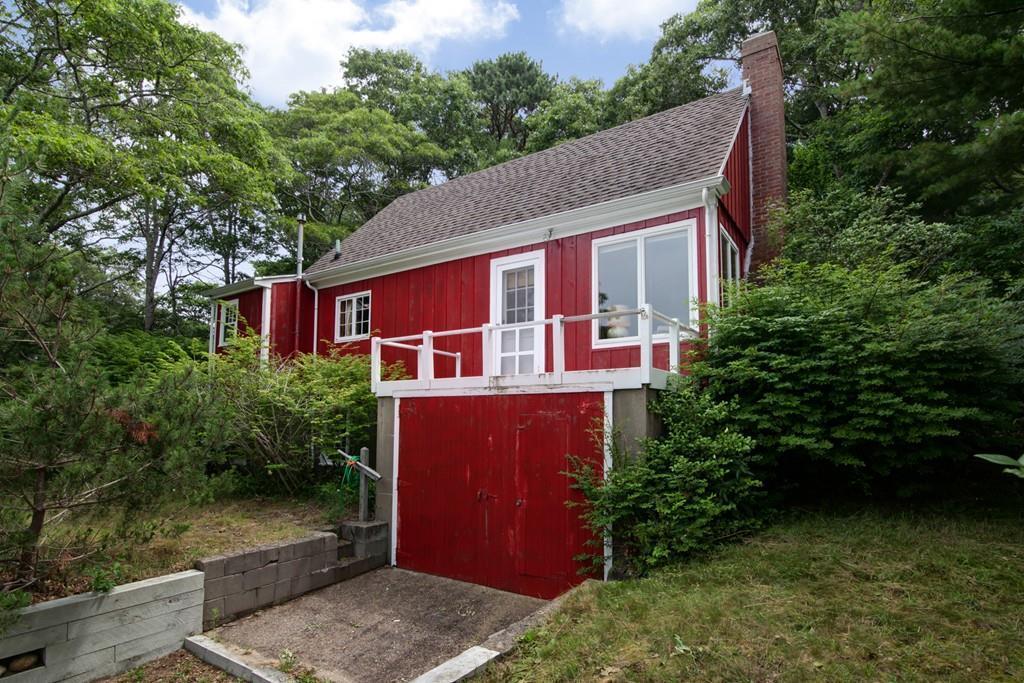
x=177, y=667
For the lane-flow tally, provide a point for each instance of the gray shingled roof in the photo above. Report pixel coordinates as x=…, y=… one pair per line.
x=679, y=145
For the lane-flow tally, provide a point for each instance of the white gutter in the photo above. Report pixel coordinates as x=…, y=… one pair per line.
x=532, y=231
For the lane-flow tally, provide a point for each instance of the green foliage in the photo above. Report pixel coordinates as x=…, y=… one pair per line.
x=865, y=370
x=962, y=114
x=509, y=88
x=105, y=579
x=846, y=227
x=349, y=160
x=130, y=355
x=1011, y=466
x=684, y=492
x=574, y=109
x=276, y=411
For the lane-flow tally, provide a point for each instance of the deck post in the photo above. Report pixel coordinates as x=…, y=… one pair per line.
x=426, y=369
x=646, y=352
x=558, y=346
x=374, y=364
x=488, y=349
x=458, y=363
x=673, y=349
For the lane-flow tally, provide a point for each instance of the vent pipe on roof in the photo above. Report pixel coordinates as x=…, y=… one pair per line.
x=298, y=249
x=337, y=249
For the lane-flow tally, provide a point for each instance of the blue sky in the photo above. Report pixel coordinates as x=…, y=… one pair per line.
x=296, y=44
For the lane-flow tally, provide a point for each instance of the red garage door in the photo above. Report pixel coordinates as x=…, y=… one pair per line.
x=482, y=491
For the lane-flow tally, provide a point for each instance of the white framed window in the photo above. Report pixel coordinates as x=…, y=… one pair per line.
x=656, y=266
x=517, y=296
x=729, y=263
x=228, y=327
x=352, y=317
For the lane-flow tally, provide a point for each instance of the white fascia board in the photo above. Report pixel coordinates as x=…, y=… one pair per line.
x=246, y=285
x=533, y=231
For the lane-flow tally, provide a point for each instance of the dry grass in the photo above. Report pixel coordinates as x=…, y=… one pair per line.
x=865, y=596
x=184, y=535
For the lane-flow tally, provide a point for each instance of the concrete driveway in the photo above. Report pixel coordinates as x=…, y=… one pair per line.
x=387, y=625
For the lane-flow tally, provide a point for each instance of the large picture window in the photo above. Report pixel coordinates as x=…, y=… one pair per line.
x=352, y=317
x=648, y=266
x=228, y=321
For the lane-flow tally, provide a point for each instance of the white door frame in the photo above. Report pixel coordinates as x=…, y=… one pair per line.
x=533, y=258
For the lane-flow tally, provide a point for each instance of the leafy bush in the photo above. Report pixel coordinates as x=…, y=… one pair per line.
x=684, y=492
x=276, y=411
x=850, y=228
x=127, y=355
x=867, y=370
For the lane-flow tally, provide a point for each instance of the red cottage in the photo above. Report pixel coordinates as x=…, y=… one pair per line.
x=535, y=305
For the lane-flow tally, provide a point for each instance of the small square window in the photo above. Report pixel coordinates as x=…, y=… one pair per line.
x=352, y=317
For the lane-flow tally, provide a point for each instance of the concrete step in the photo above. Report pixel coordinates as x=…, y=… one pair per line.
x=349, y=567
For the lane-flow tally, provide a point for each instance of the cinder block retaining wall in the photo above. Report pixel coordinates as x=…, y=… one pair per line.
x=88, y=636
x=242, y=582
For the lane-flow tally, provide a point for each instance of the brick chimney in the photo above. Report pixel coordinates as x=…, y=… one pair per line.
x=762, y=74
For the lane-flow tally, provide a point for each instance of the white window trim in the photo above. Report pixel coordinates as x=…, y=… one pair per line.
x=690, y=227
x=337, y=316
x=739, y=256
x=498, y=267
x=221, y=327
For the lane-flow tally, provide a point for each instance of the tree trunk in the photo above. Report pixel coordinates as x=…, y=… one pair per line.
x=30, y=550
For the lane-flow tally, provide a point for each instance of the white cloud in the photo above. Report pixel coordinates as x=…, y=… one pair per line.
x=608, y=19
x=295, y=45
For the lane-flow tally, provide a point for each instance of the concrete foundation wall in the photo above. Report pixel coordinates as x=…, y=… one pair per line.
x=632, y=419
x=385, y=462
x=89, y=636
x=240, y=583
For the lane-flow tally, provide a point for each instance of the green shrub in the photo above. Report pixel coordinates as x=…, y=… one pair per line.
x=277, y=410
x=866, y=371
x=684, y=492
x=127, y=355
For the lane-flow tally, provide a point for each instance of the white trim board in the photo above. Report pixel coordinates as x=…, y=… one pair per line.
x=674, y=199
x=395, y=447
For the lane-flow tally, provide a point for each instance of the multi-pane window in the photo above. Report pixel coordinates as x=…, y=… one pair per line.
x=729, y=264
x=515, y=351
x=517, y=284
x=352, y=317
x=642, y=267
x=228, y=321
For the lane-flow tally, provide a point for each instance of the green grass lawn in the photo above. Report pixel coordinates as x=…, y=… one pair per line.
x=872, y=595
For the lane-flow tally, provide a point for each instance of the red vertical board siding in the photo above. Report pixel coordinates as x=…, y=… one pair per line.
x=286, y=314
x=482, y=491
x=737, y=172
x=456, y=295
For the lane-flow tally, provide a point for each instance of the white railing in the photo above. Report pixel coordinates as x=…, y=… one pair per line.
x=426, y=353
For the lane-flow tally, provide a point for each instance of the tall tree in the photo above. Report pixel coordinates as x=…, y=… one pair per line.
x=443, y=109
x=951, y=73
x=509, y=88
x=574, y=109
x=349, y=160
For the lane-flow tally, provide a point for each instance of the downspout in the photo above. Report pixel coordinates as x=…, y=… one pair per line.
x=709, y=198
x=298, y=278
x=212, y=344
x=316, y=316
